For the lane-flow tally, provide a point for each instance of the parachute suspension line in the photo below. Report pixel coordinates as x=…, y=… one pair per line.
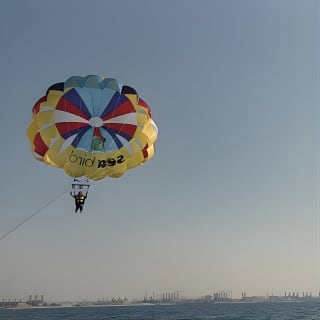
x=35, y=213
x=80, y=184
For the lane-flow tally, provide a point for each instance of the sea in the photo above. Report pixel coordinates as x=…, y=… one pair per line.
x=309, y=310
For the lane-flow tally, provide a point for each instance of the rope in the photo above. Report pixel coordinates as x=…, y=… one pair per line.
x=35, y=213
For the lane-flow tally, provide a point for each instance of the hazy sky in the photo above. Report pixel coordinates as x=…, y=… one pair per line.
x=230, y=200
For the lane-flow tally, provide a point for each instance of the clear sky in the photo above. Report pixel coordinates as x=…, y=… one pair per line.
x=230, y=200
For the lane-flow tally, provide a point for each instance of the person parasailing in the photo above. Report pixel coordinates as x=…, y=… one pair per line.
x=79, y=199
x=79, y=192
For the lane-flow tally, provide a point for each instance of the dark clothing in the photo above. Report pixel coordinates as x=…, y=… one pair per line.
x=79, y=200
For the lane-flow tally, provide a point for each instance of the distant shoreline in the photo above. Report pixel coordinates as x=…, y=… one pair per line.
x=137, y=304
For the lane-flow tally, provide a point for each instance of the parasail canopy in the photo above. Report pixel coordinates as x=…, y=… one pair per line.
x=93, y=127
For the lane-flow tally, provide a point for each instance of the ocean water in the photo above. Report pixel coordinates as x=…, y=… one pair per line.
x=185, y=311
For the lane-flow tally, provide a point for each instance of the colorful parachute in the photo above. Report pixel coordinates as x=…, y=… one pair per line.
x=92, y=127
